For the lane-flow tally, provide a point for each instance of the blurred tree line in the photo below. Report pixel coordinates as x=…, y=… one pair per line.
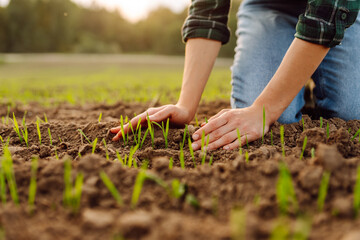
x=63, y=26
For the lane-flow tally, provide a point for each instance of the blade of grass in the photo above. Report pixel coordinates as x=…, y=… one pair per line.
x=327, y=130
x=303, y=148
x=139, y=182
x=263, y=130
x=94, y=146
x=323, y=190
x=151, y=131
x=83, y=134
x=357, y=193
x=49, y=132
x=45, y=118
x=191, y=152
x=7, y=165
x=355, y=135
x=321, y=122
x=38, y=130
x=285, y=192
x=119, y=158
x=171, y=163
x=111, y=187
x=282, y=140
x=106, y=150
x=131, y=154
x=99, y=119
x=16, y=128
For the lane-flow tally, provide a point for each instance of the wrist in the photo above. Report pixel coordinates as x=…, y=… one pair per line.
x=188, y=108
x=272, y=113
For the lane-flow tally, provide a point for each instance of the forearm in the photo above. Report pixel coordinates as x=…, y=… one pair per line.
x=200, y=56
x=297, y=67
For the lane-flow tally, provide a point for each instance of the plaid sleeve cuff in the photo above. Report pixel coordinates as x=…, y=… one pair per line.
x=207, y=19
x=206, y=29
x=324, y=22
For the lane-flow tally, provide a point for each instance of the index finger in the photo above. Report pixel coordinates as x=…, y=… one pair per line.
x=209, y=127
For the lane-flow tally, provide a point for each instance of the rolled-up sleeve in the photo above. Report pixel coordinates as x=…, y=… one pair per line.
x=207, y=19
x=325, y=21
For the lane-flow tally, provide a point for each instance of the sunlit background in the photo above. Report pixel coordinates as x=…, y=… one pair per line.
x=132, y=10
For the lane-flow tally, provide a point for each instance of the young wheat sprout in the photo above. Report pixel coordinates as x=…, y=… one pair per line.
x=82, y=134
x=33, y=185
x=191, y=152
x=38, y=130
x=49, y=132
x=303, y=148
x=94, y=146
x=357, y=193
x=7, y=165
x=100, y=116
x=282, y=140
x=16, y=128
x=106, y=150
x=321, y=122
x=323, y=190
x=111, y=187
x=181, y=157
x=239, y=139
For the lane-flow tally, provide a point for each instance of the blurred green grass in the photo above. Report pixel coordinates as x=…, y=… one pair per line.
x=78, y=79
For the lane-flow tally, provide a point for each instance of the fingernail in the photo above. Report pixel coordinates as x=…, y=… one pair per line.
x=226, y=147
x=195, y=136
x=194, y=146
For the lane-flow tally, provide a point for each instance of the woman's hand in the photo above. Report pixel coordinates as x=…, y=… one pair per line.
x=222, y=128
x=178, y=115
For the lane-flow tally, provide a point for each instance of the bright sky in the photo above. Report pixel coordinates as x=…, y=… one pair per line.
x=133, y=10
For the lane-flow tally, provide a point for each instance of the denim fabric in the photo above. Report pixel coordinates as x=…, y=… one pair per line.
x=265, y=31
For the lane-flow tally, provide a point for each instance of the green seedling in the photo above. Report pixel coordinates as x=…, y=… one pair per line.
x=45, y=118
x=181, y=157
x=2, y=186
x=239, y=139
x=355, y=135
x=131, y=154
x=151, y=131
x=177, y=189
x=191, y=199
x=303, y=148
x=206, y=120
x=238, y=224
x=323, y=190
x=139, y=182
x=1, y=139
x=281, y=231
x=60, y=140
x=16, y=128
x=72, y=195
x=246, y=156
x=285, y=192
x=204, y=148
x=321, y=122
x=191, y=151
x=357, y=192
x=349, y=130
x=282, y=140
x=303, y=124
x=247, y=142
x=312, y=152
x=25, y=135
x=120, y=159
x=122, y=129
x=165, y=130
x=82, y=134
x=196, y=121
x=79, y=154
x=327, y=130
x=7, y=166
x=171, y=163
x=211, y=160
x=99, y=119
x=94, y=146
x=263, y=130
x=50, y=137
x=144, y=137
x=271, y=138
x=33, y=185
x=56, y=155
x=111, y=187
x=106, y=150
x=38, y=130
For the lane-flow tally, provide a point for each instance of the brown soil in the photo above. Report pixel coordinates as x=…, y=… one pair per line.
x=229, y=183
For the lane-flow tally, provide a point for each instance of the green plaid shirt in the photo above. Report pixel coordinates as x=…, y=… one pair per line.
x=324, y=21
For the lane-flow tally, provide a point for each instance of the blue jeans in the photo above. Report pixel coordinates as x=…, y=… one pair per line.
x=265, y=31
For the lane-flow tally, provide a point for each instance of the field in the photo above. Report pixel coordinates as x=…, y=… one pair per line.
x=63, y=178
